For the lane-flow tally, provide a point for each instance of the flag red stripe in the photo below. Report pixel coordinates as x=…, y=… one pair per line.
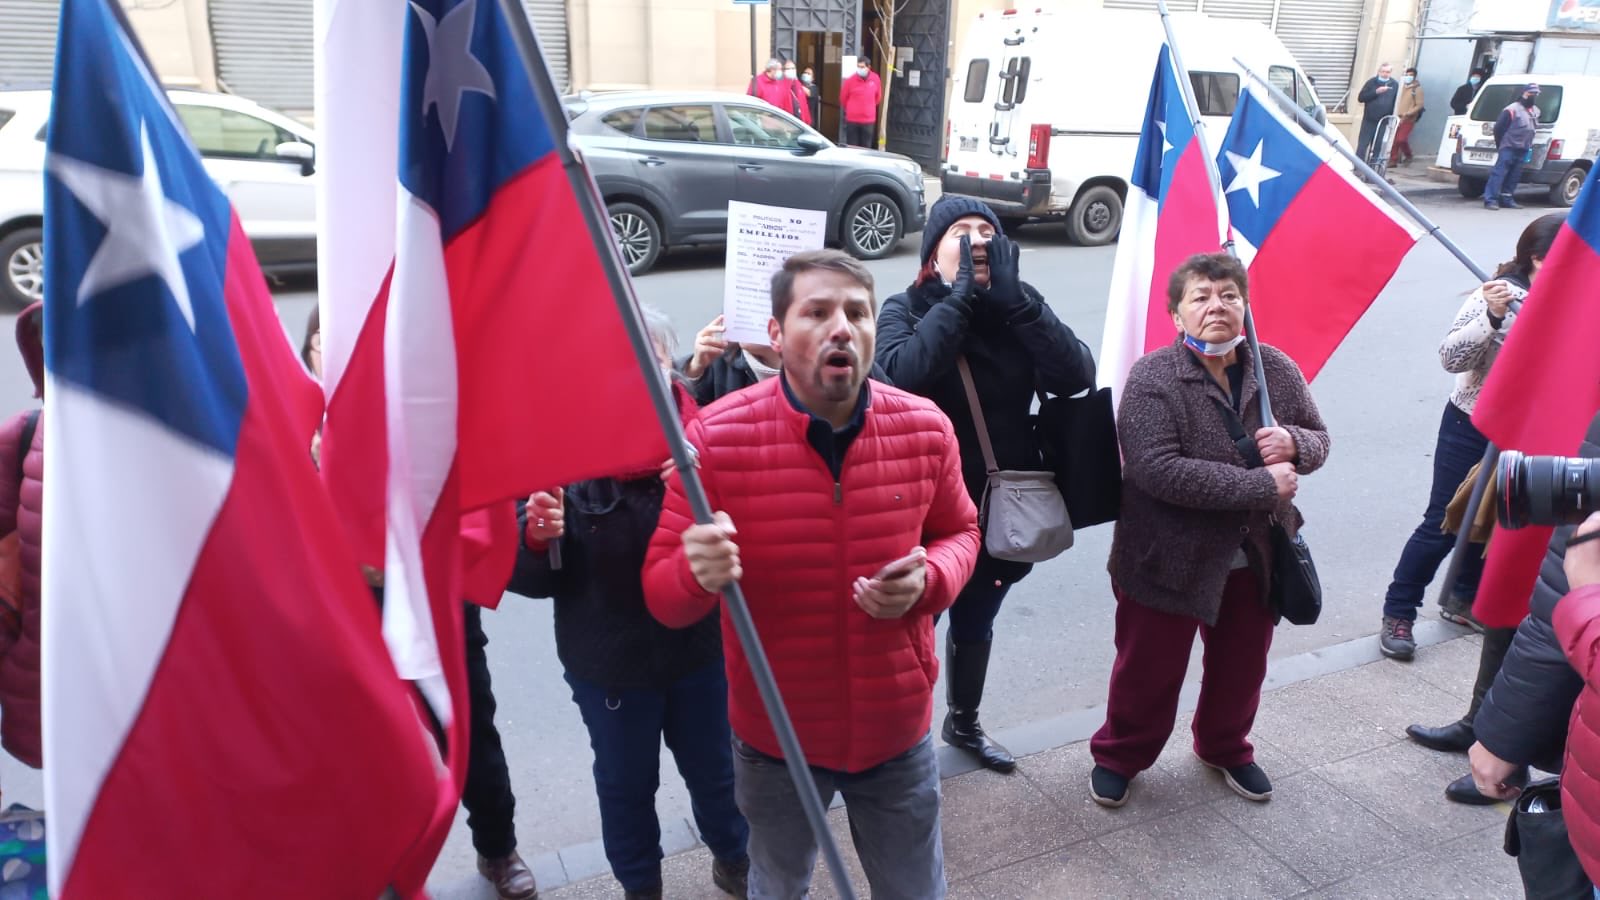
x=1187, y=225
x=355, y=450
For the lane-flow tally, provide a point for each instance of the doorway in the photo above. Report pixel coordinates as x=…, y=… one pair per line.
x=822, y=52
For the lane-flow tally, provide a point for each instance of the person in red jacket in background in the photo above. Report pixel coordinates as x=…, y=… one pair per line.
x=1577, y=624
x=21, y=529
x=842, y=513
x=859, y=96
x=779, y=87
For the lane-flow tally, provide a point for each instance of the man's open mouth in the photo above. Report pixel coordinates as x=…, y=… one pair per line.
x=838, y=361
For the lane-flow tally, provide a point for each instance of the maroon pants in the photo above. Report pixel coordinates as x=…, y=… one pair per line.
x=1152, y=657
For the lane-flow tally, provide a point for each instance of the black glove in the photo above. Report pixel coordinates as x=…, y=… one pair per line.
x=1005, y=283
x=962, y=286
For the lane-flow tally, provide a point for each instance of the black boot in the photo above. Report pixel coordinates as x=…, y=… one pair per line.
x=966, y=667
x=1458, y=737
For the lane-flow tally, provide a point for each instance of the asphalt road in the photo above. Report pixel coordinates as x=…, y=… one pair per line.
x=1381, y=395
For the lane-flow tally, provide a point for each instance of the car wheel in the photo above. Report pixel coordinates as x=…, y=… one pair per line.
x=1565, y=192
x=1470, y=187
x=22, y=267
x=1096, y=217
x=638, y=236
x=872, y=227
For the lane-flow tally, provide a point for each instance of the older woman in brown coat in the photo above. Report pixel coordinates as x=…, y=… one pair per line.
x=1191, y=550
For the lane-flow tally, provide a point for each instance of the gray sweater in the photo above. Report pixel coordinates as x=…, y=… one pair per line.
x=1188, y=501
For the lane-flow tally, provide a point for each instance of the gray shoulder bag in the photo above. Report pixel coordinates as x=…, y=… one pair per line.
x=1022, y=515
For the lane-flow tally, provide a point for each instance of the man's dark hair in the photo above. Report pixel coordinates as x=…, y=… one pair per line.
x=832, y=260
x=1412, y=70
x=1210, y=266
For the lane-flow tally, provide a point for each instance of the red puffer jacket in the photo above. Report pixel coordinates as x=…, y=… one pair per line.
x=859, y=689
x=1577, y=622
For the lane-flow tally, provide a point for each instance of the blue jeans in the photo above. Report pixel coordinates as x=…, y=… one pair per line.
x=1505, y=175
x=894, y=823
x=626, y=728
x=1459, y=446
x=976, y=607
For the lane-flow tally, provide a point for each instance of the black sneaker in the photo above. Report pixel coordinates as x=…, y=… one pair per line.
x=1509, y=203
x=1247, y=781
x=733, y=878
x=1107, y=788
x=1458, y=611
x=1395, y=639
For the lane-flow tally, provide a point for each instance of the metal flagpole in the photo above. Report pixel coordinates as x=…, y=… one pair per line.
x=1491, y=453
x=734, y=606
x=1214, y=175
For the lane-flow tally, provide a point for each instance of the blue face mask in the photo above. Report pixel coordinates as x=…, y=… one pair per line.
x=1474, y=81
x=1210, y=348
x=1410, y=79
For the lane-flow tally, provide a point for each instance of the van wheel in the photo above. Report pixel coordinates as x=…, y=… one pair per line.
x=1565, y=192
x=1096, y=217
x=871, y=227
x=638, y=236
x=22, y=267
x=1470, y=187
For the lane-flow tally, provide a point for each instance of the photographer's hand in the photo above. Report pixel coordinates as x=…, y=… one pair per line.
x=1583, y=556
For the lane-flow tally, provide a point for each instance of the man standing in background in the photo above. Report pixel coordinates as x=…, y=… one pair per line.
x=859, y=97
x=1409, y=110
x=1377, y=103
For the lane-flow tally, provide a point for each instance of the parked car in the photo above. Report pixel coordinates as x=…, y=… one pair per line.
x=264, y=161
x=1564, y=145
x=1037, y=132
x=668, y=162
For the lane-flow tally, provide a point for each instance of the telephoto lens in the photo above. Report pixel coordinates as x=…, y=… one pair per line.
x=1546, y=490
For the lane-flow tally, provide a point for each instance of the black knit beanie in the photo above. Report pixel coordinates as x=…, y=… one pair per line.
x=945, y=213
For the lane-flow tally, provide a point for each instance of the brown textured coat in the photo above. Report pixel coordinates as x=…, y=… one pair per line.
x=1188, y=501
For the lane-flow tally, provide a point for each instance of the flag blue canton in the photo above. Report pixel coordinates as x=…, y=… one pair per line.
x=136, y=238
x=1167, y=131
x=469, y=121
x=1263, y=166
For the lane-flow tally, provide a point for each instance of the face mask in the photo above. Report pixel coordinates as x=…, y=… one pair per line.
x=1383, y=79
x=789, y=74
x=1474, y=80
x=1529, y=101
x=1410, y=79
x=861, y=71
x=1209, y=348
x=806, y=78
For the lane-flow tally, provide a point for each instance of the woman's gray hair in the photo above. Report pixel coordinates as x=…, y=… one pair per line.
x=662, y=333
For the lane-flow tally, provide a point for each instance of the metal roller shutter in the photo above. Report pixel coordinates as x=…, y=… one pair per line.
x=263, y=50
x=1253, y=10
x=1172, y=5
x=549, y=19
x=1322, y=35
x=27, y=41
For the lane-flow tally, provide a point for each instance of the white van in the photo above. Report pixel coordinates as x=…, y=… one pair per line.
x=1564, y=147
x=1046, y=107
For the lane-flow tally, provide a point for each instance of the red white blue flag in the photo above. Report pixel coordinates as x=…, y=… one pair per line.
x=221, y=718
x=456, y=260
x=1170, y=214
x=1319, y=245
x=1542, y=394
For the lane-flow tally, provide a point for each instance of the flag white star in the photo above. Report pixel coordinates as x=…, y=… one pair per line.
x=145, y=231
x=1249, y=174
x=452, y=69
x=1166, y=145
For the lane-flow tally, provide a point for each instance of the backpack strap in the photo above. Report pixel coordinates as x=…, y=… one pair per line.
x=30, y=426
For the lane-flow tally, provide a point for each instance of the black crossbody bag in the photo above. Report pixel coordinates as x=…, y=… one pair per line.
x=1296, y=591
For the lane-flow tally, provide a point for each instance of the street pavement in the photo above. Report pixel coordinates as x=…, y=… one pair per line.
x=1382, y=395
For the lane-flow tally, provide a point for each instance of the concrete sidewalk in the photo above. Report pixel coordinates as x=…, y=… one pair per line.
x=1358, y=810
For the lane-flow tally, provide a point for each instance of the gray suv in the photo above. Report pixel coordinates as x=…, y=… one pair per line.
x=668, y=162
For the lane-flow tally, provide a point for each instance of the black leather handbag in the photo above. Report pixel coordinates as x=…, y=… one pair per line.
x=1296, y=591
x=1536, y=834
x=1079, y=438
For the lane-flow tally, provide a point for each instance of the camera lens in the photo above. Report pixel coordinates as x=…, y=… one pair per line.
x=1546, y=490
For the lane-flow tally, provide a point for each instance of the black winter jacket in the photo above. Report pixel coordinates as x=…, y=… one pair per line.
x=920, y=334
x=604, y=633
x=731, y=372
x=1374, y=105
x=1523, y=718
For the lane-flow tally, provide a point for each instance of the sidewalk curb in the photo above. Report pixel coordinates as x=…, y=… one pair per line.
x=581, y=862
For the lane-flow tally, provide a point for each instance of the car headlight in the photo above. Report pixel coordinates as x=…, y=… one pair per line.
x=909, y=169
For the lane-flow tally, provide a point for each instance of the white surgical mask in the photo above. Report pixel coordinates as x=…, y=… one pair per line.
x=862, y=71
x=788, y=73
x=1410, y=78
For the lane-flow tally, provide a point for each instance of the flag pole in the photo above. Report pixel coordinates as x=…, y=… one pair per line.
x=734, y=606
x=1214, y=176
x=1491, y=453
x=1389, y=191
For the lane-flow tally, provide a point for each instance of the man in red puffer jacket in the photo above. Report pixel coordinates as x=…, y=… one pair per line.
x=21, y=508
x=842, y=513
x=1577, y=623
x=859, y=95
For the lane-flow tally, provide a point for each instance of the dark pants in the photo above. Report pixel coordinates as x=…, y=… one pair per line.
x=1505, y=175
x=972, y=617
x=1152, y=657
x=858, y=134
x=893, y=809
x=1365, y=140
x=487, y=795
x=1459, y=446
x=626, y=728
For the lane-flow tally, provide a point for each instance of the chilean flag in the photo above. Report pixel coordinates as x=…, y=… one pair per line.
x=221, y=718
x=1289, y=207
x=466, y=269
x=1542, y=393
x=1170, y=215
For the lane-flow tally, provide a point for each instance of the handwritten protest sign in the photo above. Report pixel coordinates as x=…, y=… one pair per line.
x=760, y=238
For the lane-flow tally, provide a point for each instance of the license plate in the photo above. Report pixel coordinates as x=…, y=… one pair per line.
x=969, y=143
x=1480, y=156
